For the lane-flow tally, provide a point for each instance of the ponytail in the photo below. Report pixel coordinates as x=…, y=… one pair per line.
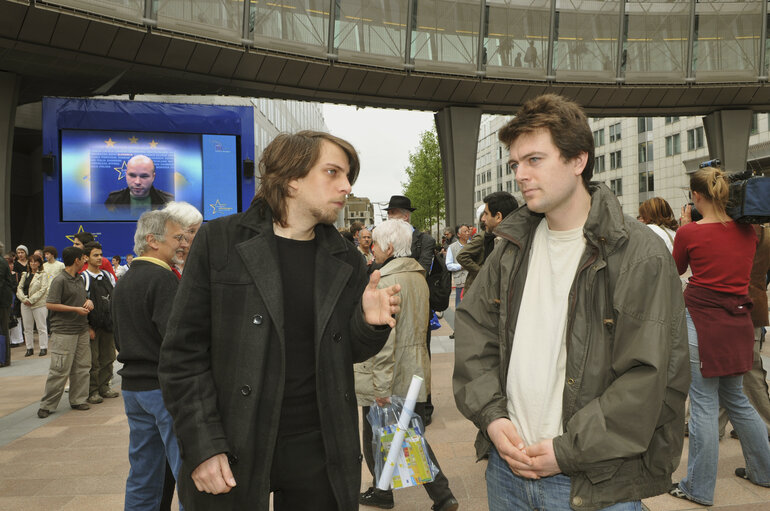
x=712, y=184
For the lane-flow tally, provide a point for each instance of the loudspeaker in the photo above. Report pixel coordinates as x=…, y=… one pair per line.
x=248, y=168
x=49, y=164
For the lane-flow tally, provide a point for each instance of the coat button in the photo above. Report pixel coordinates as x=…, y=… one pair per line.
x=257, y=319
x=232, y=459
x=577, y=501
x=571, y=381
x=246, y=390
x=347, y=396
x=337, y=337
x=360, y=457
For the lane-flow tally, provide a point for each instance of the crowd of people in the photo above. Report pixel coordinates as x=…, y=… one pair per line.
x=579, y=334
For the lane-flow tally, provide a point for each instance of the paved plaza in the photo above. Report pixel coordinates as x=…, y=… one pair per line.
x=77, y=460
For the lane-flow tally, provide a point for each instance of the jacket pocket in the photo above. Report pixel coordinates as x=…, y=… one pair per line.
x=603, y=471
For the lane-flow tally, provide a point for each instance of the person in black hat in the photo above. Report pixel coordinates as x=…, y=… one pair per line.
x=400, y=207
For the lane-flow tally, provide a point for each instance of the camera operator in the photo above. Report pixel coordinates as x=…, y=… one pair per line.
x=721, y=336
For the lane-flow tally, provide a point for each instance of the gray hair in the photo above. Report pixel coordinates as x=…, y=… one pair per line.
x=154, y=223
x=394, y=232
x=184, y=213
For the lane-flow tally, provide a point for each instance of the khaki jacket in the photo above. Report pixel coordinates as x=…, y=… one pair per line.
x=390, y=371
x=627, y=371
x=38, y=289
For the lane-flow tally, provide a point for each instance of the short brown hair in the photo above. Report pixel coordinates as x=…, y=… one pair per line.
x=564, y=120
x=657, y=211
x=290, y=156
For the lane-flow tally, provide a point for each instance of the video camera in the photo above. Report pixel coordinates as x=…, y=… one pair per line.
x=749, y=201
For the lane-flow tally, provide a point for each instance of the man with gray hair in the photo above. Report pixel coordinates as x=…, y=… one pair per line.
x=191, y=220
x=138, y=333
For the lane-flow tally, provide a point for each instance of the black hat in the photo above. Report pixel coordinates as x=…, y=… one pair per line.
x=400, y=202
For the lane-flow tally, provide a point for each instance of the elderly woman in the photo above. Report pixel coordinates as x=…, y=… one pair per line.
x=32, y=292
x=405, y=353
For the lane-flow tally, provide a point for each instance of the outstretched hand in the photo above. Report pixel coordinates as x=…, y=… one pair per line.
x=380, y=305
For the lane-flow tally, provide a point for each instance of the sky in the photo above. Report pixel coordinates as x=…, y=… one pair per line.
x=383, y=138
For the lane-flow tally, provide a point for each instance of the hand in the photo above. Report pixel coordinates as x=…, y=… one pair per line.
x=382, y=401
x=28, y=303
x=686, y=217
x=380, y=304
x=511, y=447
x=81, y=311
x=89, y=305
x=214, y=475
x=544, y=462
x=91, y=333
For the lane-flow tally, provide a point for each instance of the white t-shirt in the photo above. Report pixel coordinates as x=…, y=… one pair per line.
x=539, y=354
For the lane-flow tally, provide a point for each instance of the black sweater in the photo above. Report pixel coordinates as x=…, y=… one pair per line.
x=141, y=305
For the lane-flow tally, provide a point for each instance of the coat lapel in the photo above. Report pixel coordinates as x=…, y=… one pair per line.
x=331, y=275
x=258, y=254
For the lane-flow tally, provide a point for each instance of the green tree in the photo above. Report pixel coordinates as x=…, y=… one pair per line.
x=425, y=183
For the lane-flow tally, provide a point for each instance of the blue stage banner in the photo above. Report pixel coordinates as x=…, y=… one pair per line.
x=220, y=186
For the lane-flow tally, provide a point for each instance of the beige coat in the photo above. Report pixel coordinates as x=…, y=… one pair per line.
x=38, y=289
x=389, y=372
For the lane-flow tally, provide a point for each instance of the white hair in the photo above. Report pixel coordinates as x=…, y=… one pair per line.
x=151, y=222
x=184, y=213
x=394, y=232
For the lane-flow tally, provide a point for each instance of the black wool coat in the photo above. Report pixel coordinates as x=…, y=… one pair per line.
x=222, y=361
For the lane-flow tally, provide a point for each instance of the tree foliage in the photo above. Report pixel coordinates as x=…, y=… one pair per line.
x=425, y=183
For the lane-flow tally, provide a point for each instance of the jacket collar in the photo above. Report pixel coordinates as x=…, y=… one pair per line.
x=605, y=221
x=401, y=265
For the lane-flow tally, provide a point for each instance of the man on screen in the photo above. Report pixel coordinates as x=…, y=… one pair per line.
x=139, y=192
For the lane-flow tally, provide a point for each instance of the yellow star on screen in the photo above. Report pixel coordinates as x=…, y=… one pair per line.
x=109, y=142
x=121, y=171
x=133, y=140
x=153, y=143
x=215, y=206
x=71, y=237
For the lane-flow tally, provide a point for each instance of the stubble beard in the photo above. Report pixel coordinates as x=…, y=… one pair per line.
x=325, y=216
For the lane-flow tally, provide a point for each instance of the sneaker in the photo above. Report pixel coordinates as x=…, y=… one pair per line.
x=449, y=504
x=43, y=352
x=81, y=406
x=382, y=499
x=95, y=398
x=43, y=413
x=109, y=394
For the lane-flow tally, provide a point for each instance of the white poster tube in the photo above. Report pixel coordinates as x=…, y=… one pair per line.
x=398, y=437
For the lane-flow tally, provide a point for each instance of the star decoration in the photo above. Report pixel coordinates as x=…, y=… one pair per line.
x=109, y=142
x=153, y=143
x=133, y=140
x=71, y=237
x=121, y=171
x=218, y=206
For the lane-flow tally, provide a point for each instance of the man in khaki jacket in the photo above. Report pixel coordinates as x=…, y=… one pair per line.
x=571, y=355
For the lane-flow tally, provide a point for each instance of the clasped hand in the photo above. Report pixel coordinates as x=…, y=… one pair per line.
x=533, y=461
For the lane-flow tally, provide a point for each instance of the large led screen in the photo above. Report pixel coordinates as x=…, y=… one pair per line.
x=117, y=175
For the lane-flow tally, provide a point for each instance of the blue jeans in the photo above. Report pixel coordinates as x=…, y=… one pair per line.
x=506, y=491
x=706, y=394
x=151, y=442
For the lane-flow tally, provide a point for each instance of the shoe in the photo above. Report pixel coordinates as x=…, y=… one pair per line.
x=29, y=353
x=109, y=394
x=382, y=499
x=677, y=492
x=81, y=406
x=95, y=398
x=43, y=352
x=17, y=344
x=452, y=336
x=449, y=504
x=734, y=435
x=43, y=413
x=741, y=472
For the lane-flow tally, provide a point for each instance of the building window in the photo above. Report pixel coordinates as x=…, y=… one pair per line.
x=489, y=175
x=507, y=169
x=508, y=187
x=615, y=132
x=499, y=170
x=754, y=123
x=478, y=195
x=615, y=160
x=669, y=120
x=645, y=124
x=516, y=186
x=599, y=137
x=695, y=138
x=646, y=182
x=673, y=145
x=616, y=185
x=599, y=164
x=645, y=152
x=499, y=187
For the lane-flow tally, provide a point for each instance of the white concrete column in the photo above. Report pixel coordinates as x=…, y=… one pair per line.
x=9, y=95
x=458, y=138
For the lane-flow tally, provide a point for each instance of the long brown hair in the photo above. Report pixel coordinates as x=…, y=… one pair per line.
x=35, y=257
x=712, y=184
x=657, y=211
x=291, y=156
